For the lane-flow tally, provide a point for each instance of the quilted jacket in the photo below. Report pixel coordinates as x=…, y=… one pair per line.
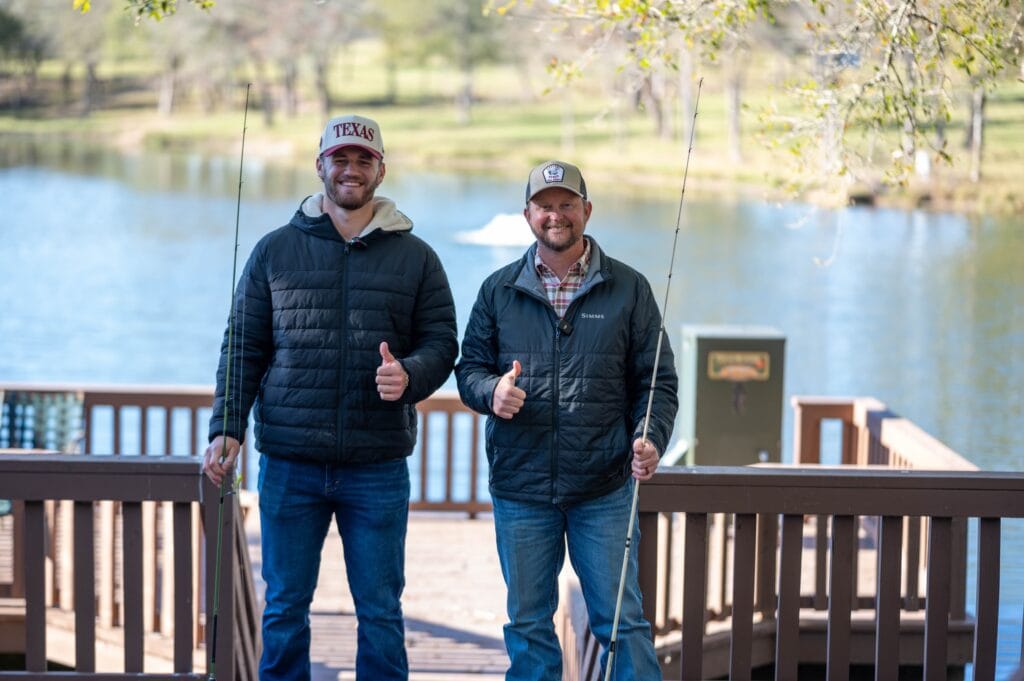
x=586, y=377
x=311, y=310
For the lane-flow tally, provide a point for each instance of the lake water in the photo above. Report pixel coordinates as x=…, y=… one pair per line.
x=117, y=269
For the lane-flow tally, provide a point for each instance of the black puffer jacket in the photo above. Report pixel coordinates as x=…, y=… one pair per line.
x=586, y=379
x=310, y=313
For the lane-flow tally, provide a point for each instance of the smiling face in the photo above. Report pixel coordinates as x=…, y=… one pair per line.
x=557, y=218
x=350, y=176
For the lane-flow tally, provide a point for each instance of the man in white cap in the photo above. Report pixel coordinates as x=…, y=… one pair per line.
x=343, y=321
x=559, y=353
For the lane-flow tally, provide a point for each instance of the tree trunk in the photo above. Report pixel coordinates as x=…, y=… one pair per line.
x=908, y=138
x=208, y=98
x=290, y=75
x=940, y=133
x=464, y=100
x=391, y=66
x=91, y=91
x=66, y=83
x=168, y=83
x=733, y=85
x=568, y=124
x=653, y=103
x=686, y=95
x=977, y=131
x=320, y=65
x=266, y=93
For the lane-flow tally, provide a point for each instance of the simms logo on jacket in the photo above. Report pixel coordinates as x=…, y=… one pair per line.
x=591, y=315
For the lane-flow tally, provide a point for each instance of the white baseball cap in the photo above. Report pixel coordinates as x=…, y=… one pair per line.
x=352, y=131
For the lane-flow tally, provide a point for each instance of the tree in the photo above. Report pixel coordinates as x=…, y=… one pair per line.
x=20, y=55
x=461, y=32
x=153, y=9
x=897, y=64
x=878, y=65
x=76, y=40
x=328, y=28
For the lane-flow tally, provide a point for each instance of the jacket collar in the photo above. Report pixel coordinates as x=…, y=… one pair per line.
x=525, y=276
x=311, y=218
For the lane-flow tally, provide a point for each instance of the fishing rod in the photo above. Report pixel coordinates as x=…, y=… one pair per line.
x=650, y=400
x=227, y=483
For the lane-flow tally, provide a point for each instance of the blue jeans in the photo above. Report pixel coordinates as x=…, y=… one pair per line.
x=532, y=539
x=371, y=505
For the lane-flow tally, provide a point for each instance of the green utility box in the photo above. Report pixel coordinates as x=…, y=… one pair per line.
x=730, y=395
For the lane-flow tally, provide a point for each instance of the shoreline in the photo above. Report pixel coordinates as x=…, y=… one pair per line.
x=938, y=195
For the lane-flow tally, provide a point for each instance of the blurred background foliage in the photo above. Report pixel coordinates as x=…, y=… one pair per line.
x=919, y=102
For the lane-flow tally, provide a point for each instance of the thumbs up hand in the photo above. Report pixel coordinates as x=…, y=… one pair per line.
x=508, y=399
x=392, y=380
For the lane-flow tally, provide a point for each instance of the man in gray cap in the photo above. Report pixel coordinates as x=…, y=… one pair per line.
x=343, y=321
x=559, y=353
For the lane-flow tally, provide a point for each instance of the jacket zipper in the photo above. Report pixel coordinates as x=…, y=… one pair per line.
x=556, y=382
x=340, y=415
x=554, y=411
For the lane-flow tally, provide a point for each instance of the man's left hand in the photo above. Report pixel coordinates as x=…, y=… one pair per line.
x=391, y=377
x=645, y=459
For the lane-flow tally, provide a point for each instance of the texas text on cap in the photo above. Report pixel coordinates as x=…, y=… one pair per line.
x=555, y=174
x=352, y=131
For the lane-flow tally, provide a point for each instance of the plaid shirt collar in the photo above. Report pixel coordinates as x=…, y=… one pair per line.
x=560, y=292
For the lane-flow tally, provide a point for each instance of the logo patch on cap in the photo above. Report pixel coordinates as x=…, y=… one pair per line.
x=554, y=173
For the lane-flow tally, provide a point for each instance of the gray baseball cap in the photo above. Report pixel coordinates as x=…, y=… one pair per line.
x=555, y=174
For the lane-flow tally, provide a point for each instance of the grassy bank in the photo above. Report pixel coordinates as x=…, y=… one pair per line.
x=510, y=130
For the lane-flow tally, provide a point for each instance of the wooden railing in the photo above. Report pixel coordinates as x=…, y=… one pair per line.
x=460, y=451
x=863, y=524
x=164, y=420
x=170, y=488
x=872, y=435
x=759, y=496
x=767, y=625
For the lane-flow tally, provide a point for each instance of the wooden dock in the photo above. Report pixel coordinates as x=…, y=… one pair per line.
x=454, y=602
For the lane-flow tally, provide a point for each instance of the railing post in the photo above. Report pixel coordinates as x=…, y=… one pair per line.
x=85, y=588
x=839, y=589
x=694, y=598
x=958, y=570
x=936, y=622
x=647, y=567
x=767, y=548
x=806, y=435
x=987, y=609
x=220, y=632
x=787, y=637
x=887, y=598
x=35, y=587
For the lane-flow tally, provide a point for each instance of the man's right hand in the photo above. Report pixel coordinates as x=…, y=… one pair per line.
x=220, y=457
x=508, y=399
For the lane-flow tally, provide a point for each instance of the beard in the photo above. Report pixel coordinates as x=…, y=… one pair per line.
x=351, y=200
x=564, y=243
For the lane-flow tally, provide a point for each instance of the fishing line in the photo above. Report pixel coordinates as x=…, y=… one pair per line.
x=227, y=484
x=650, y=401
